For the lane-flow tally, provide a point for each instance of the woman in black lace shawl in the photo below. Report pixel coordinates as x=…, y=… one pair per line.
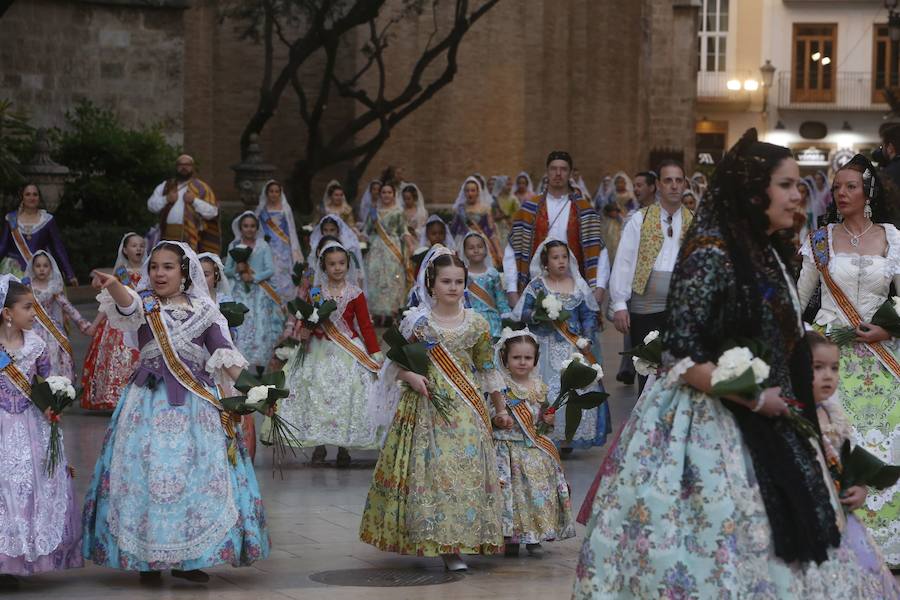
x=711, y=497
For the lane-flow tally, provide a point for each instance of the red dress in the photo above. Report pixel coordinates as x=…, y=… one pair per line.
x=109, y=365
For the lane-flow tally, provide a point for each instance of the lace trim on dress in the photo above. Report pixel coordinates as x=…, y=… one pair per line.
x=133, y=317
x=892, y=264
x=675, y=373
x=222, y=359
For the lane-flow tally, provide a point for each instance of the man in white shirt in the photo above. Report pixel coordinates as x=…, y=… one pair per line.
x=645, y=258
x=562, y=213
x=188, y=209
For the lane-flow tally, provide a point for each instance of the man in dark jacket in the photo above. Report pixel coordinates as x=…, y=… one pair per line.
x=890, y=151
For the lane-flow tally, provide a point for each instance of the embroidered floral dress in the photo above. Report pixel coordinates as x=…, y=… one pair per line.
x=43, y=235
x=109, y=363
x=681, y=513
x=387, y=276
x=329, y=389
x=262, y=326
x=59, y=309
x=39, y=526
x=490, y=282
x=164, y=494
x=595, y=423
x=536, y=503
x=869, y=392
x=436, y=489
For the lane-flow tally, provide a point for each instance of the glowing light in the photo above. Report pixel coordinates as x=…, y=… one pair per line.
x=751, y=85
x=826, y=61
x=733, y=85
x=816, y=56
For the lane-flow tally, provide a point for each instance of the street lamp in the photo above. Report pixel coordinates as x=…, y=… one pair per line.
x=893, y=19
x=768, y=78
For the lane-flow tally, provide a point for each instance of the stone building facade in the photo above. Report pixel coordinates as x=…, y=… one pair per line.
x=613, y=82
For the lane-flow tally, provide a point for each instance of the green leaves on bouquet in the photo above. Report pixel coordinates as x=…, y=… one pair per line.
x=297, y=272
x=240, y=253
x=55, y=393
x=410, y=356
x=860, y=467
x=548, y=308
x=315, y=312
x=577, y=404
x=576, y=375
x=234, y=313
x=744, y=386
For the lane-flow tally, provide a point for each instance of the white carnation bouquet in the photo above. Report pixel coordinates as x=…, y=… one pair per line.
x=548, y=307
x=647, y=356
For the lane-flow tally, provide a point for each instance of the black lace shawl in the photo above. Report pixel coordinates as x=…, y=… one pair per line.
x=724, y=288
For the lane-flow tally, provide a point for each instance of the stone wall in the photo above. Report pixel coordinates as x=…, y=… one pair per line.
x=124, y=56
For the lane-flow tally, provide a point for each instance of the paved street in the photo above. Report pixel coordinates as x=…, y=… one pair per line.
x=313, y=519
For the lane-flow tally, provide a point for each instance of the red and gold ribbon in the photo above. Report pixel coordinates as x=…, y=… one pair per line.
x=522, y=413
x=482, y=294
x=457, y=379
x=395, y=250
x=51, y=327
x=563, y=328
x=346, y=344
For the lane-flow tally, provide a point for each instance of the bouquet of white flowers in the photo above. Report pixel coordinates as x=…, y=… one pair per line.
x=739, y=373
x=548, y=307
x=647, y=356
x=55, y=393
x=575, y=374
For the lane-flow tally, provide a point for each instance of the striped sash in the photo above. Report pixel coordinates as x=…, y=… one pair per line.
x=563, y=328
x=398, y=254
x=482, y=294
x=270, y=291
x=820, y=249
x=13, y=373
x=21, y=245
x=47, y=323
x=522, y=414
x=346, y=344
x=270, y=222
x=457, y=379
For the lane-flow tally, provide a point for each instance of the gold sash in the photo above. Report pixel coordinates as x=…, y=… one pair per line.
x=278, y=230
x=270, y=291
x=51, y=327
x=563, y=328
x=23, y=248
x=16, y=376
x=482, y=294
x=884, y=355
x=457, y=379
x=522, y=414
x=335, y=335
x=398, y=254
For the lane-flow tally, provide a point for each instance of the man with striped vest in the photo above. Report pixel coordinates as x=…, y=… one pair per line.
x=187, y=209
x=562, y=213
x=645, y=258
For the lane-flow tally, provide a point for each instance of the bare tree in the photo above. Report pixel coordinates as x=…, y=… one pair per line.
x=318, y=28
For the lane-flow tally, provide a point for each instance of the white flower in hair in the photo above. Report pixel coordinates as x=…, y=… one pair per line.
x=259, y=393
x=651, y=336
x=582, y=343
x=314, y=317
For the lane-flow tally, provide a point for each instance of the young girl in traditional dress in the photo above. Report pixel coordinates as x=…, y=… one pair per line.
x=536, y=502
x=414, y=211
x=836, y=429
x=486, y=292
x=277, y=221
x=435, y=490
x=167, y=493
x=368, y=202
x=386, y=261
x=39, y=526
x=472, y=212
x=554, y=272
x=334, y=202
x=330, y=385
x=334, y=226
x=251, y=287
x=110, y=361
x=46, y=282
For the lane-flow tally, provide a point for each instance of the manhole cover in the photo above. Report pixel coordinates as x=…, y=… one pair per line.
x=384, y=577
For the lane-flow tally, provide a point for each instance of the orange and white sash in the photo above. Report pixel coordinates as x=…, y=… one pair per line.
x=270, y=291
x=481, y=294
x=16, y=376
x=47, y=323
x=21, y=245
x=563, y=328
x=458, y=380
x=821, y=254
x=522, y=414
x=395, y=250
x=278, y=230
x=346, y=344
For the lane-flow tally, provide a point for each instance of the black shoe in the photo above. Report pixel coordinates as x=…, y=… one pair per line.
x=151, y=578
x=626, y=377
x=9, y=582
x=319, y=454
x=535, y=550
x=195, y=575
x=343, y=458
x=512, y=548
x=566, y=451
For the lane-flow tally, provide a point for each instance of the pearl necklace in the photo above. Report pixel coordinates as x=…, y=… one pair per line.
x=854, y=238
x=450, y=321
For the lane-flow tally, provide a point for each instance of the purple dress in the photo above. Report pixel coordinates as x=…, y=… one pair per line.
x=42, y=236
x=39, y=523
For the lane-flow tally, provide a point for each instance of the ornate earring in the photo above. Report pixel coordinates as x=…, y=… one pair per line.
x=181, y=287
x=867, y=211
x=9, y=322
x=840, y=217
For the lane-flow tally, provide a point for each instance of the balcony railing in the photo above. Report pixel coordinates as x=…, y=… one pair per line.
x=851, y=90
x=713, y=85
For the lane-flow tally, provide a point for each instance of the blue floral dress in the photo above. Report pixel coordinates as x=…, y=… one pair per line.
x=491, y=283
x=595, y=423
x=164, y=494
